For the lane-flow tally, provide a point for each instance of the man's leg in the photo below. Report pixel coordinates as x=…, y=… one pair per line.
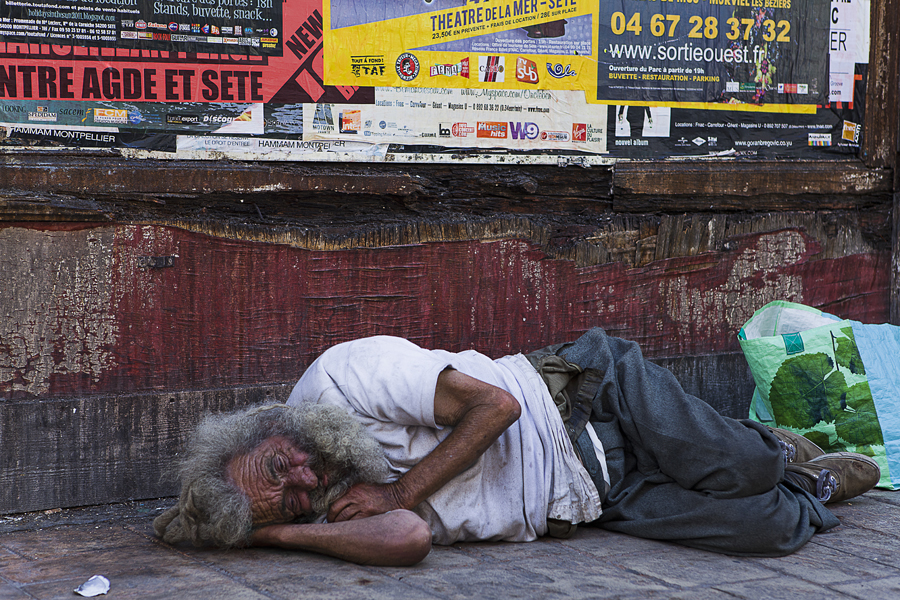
x=774, y=523
x=682, y=472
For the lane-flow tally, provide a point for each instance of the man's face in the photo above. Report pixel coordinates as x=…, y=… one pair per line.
x=276, y=478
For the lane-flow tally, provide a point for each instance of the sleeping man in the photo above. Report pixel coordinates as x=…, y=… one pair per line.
x=384, y=448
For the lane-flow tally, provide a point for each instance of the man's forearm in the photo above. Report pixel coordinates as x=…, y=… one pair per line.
x=472, y=435
x=478, y=412
x=398, y=538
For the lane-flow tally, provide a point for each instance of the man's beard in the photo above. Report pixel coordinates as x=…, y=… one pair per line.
x=342, y=451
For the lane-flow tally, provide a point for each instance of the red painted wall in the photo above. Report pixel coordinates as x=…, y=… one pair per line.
x=80, y=315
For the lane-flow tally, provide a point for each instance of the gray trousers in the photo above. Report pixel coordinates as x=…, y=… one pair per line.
x=680, y=471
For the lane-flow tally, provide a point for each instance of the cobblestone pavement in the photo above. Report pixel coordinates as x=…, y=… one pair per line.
x=48, y=554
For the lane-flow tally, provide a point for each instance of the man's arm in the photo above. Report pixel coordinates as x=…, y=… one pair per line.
x=477, y=411
x=396, y=539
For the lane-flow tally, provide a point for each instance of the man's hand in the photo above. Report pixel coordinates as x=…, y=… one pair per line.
x=364, y=500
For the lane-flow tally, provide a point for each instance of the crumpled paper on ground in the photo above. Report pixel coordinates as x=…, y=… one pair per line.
x=96, y=585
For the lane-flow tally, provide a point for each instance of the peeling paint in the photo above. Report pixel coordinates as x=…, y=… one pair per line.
x=755, y=278
x=56, y=319
x=377, y=153
x=272, y=187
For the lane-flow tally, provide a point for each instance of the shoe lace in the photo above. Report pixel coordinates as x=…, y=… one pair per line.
x=826, y=485
x=789, y=450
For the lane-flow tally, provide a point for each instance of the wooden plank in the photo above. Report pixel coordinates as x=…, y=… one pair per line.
x=759, y=186
x=23, y=206
x=151, y=189
x=88, y=315
x=881, y=132
x=723, y=381
x=895, y=256
x=589, y=240
x=317, y=185
x=76, y=452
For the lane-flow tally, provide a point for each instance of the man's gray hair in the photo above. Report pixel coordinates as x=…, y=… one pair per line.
x=211, y=509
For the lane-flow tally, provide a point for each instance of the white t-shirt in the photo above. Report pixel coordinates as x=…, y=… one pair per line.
x=529, y=474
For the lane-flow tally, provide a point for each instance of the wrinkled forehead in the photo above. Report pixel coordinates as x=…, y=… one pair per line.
x=268, y=445
x=238, y=461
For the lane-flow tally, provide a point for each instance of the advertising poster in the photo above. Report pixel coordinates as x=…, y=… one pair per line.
x=497, y=44
x=511, y=119
x=239, y=69
x=169, y=25
x=654, y=132
x=757, y=52
x=371, y=81
x=83, y=90
x=848, y=46
x=832, y=129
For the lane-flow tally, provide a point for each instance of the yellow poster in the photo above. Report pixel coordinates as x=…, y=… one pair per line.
x=497, y=44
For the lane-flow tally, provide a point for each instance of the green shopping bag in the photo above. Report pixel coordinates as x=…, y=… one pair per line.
x=810, y=378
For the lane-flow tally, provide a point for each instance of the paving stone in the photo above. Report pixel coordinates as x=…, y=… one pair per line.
x=600, y=542
x=863, y=543
x=780, y=588
x=151, y=567
x=696, y=593
x=10, y=592
x=68, y=540
x=878, y=588
x=117, y=513
x=869, y=513
x=544, y=550
x=143, y=527
x=889, y=496
x=824, y=565
x=305, y=575
x=138, y=589
x=686, y=567
x=252, y=561
x=8, y=559
x=502, y=580
x=575, y=573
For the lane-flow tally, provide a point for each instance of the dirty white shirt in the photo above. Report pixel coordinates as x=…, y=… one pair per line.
x=529, y=474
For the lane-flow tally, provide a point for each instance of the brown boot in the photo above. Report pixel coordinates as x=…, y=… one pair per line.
x=835, y=477
x=796, y=448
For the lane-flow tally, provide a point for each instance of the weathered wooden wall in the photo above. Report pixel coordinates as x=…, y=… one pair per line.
x=879, y=148
x=136, y=295
x=124, y=318
x=100, y=449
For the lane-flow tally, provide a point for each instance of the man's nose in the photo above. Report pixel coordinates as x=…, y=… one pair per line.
x=302, y=477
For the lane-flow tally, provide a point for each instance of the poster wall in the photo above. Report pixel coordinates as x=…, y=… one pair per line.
x=373, y=80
